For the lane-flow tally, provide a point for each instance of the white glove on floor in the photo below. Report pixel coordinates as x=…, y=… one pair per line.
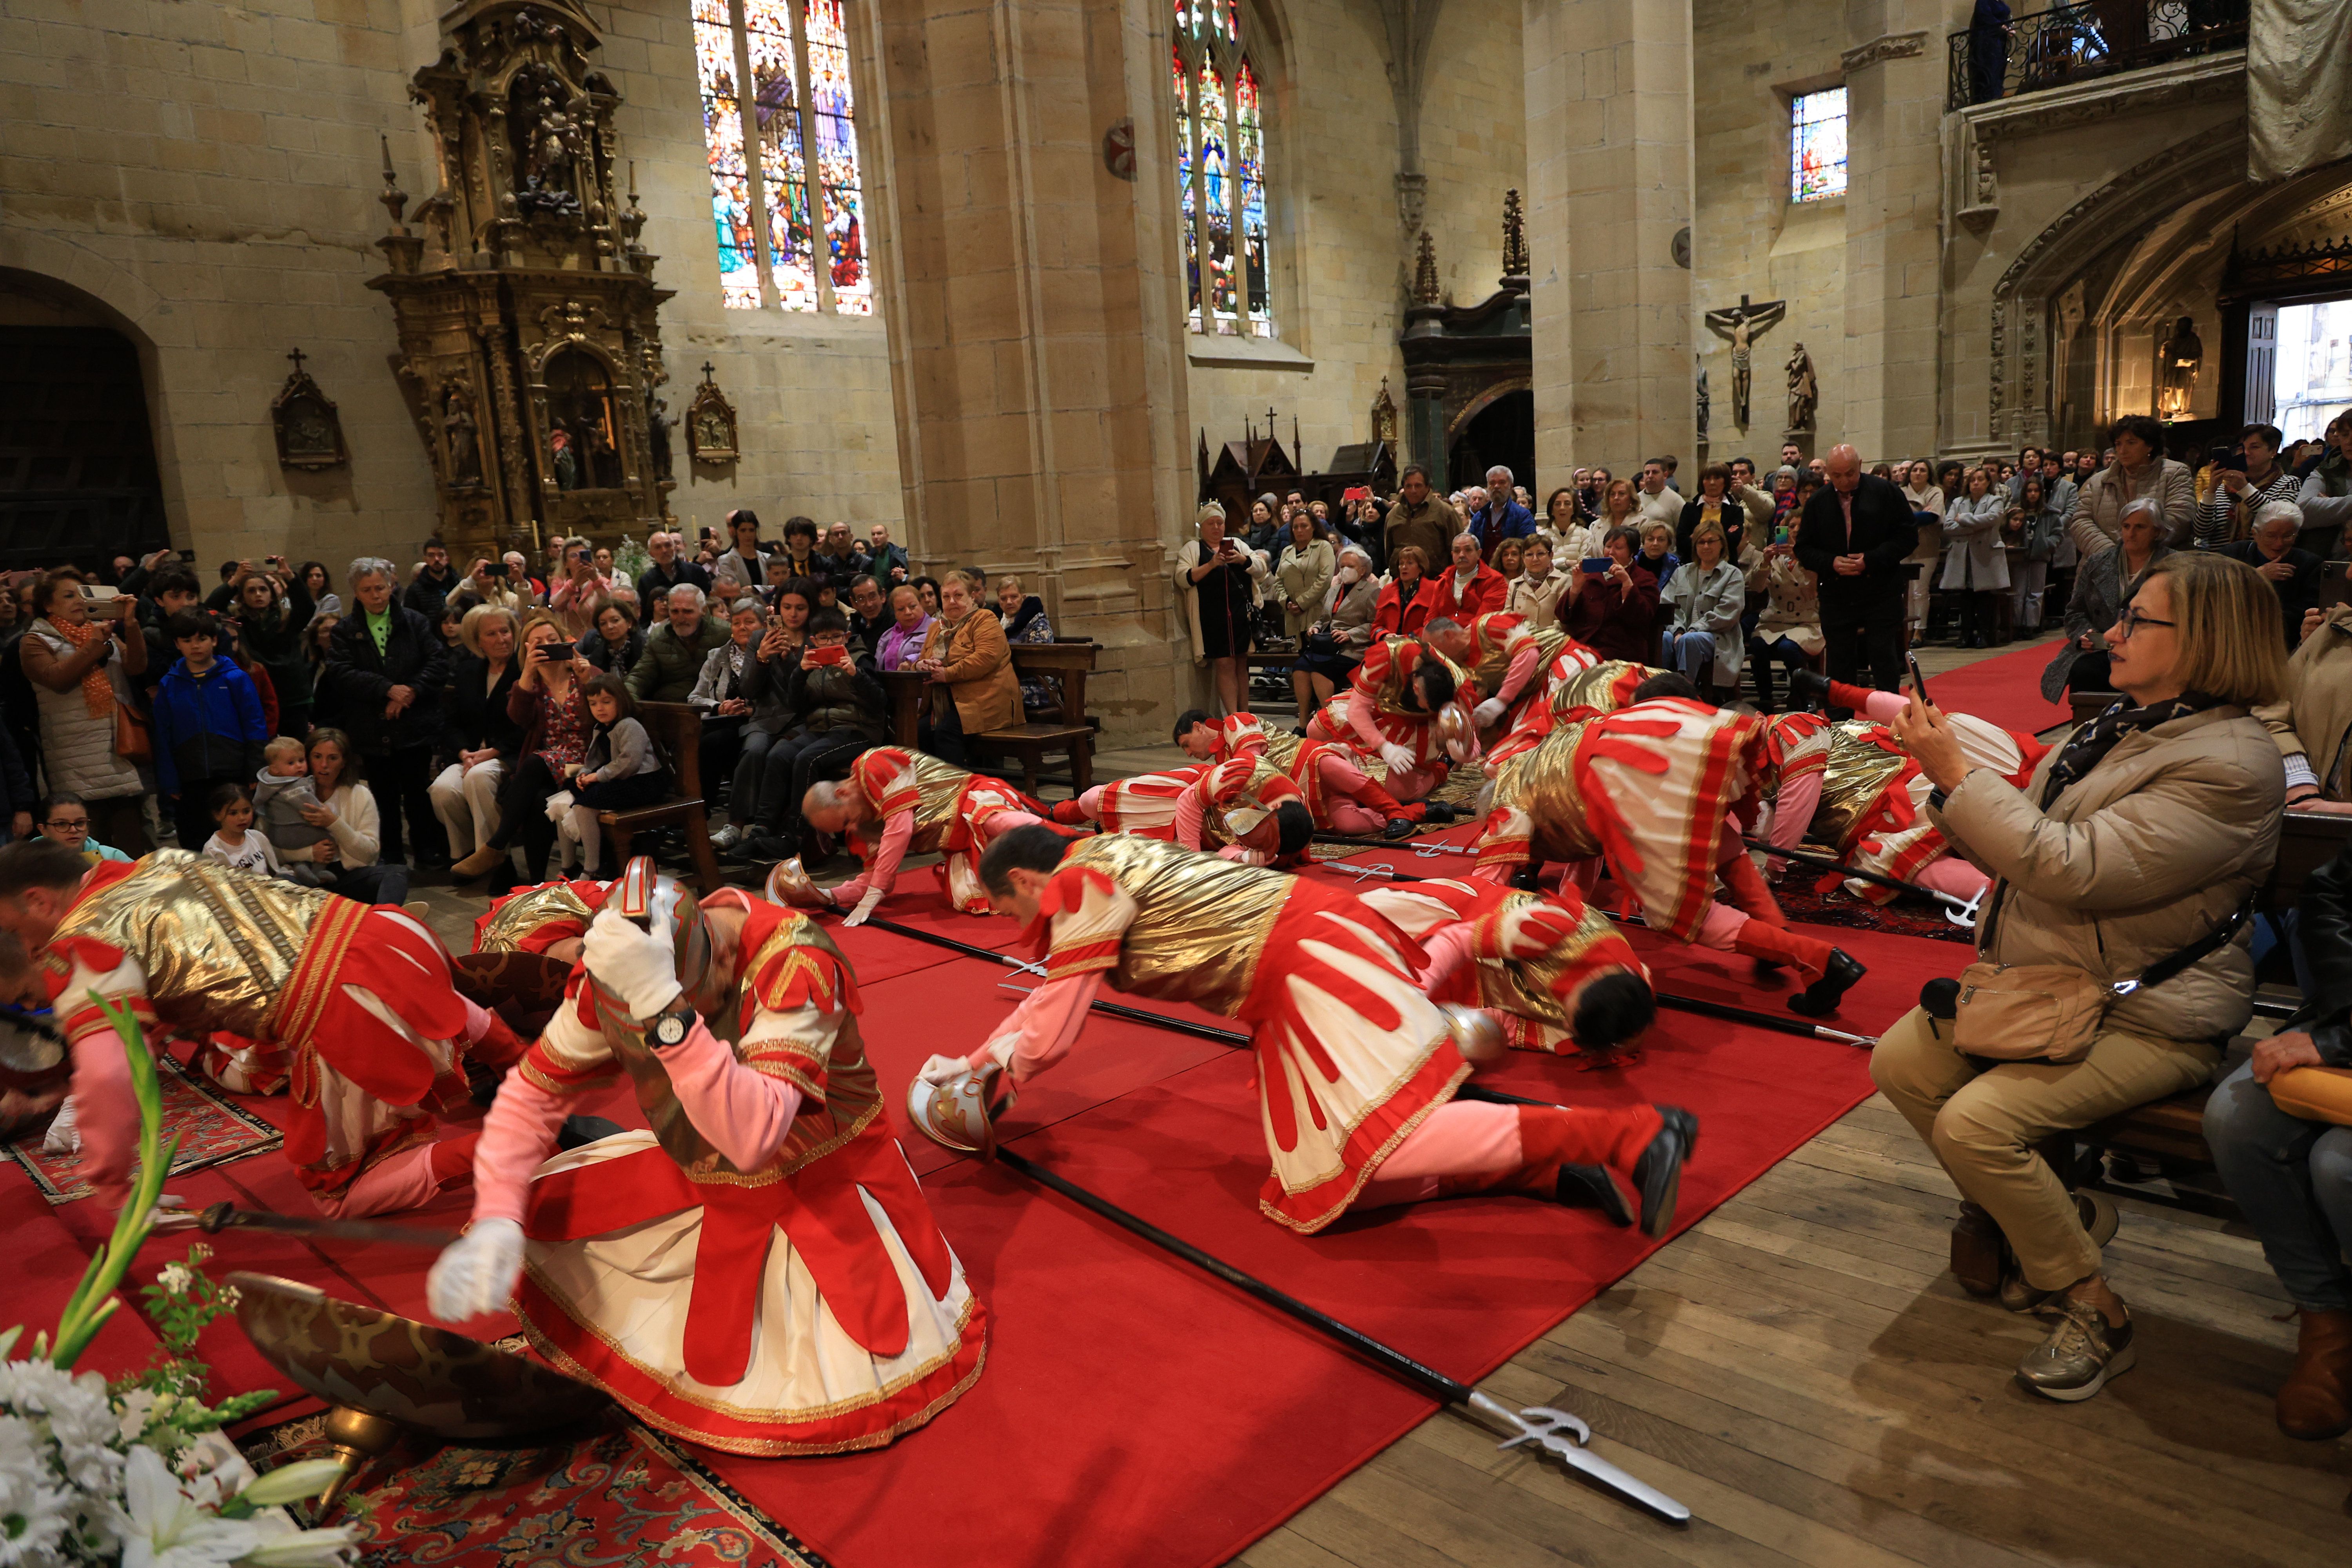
x=1395, y=758
x=64, y=1136
x=475, y=1273
x=1490, y=712
x=864, y=907
x=638, y=966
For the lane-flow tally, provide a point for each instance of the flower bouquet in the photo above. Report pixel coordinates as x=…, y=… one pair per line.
x=136, y=1472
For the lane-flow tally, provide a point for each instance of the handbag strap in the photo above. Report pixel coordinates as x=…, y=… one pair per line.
x=2212, y=941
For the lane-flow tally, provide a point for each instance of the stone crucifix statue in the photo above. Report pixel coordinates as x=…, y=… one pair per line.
x=1804, y=393
x=1742, y=324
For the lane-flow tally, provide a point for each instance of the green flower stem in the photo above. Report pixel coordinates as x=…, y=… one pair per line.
x=94, y=1300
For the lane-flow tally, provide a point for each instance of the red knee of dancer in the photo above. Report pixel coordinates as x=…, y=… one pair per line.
x=1751, y=894
x=1069, y=813
x=1779, y=944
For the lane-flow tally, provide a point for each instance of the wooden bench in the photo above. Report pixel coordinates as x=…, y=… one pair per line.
x=676, y=729
x=906, y=689
x=2172, y=1131
x=1073, y=735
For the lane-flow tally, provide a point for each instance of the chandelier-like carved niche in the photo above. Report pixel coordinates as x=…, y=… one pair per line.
x=531, y=353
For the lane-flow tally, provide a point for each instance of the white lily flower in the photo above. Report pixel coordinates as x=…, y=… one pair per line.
x=163, y=1525
x=291, y=1483
x=302, y=1549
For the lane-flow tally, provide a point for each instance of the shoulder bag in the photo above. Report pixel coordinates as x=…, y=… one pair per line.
x=2050, y=1012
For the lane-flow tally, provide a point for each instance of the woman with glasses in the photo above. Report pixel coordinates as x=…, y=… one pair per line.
x=62, y=816
x=2141, y=836
x=2103, y=585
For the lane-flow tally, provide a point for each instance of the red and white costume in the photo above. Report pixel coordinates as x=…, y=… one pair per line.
x=533, y=920
x=1519, y=955
x=1337, y=783
x=1372, y=714
x=1355, y=1069
x=785, y=1290
x=353, y=1002
x=1578, y=684
x=1648, y=792
x=1186, y=806
x=924, y=807
x=1866, y=799
x=1507, y=653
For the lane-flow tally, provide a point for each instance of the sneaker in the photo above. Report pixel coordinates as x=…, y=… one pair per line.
x=1659, y=1172
x=1593, y=1187
x=725, y=838
x=2082, y=1351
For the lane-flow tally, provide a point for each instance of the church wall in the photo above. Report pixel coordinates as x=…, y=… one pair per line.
x=1749, y=238
x=207, y=175
x=1348, y=258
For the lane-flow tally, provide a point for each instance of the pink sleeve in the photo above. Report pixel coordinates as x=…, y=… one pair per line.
x=1445, y=950
x=897, y=832
x=747, y=1115
x=1364, y=721
x=1793, y=808
x=1048, y=1024
x=1189, y=813
x=519, y=1133
x=1523, y=666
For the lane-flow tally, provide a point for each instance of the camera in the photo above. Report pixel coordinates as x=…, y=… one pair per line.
x=2229, y=457
x=497, y=569
x=555, y=651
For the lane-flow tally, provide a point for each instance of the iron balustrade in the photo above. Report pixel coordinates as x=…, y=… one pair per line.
x=2084, y=42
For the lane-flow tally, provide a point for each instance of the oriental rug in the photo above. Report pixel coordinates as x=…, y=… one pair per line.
x=213, y=1128
x=619, y=1494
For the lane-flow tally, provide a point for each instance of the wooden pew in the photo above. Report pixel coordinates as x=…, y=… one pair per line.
x=676, y=729
x=1071, y=735
x=906, y=689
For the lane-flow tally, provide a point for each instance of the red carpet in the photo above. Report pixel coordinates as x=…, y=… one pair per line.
x=2005, y=690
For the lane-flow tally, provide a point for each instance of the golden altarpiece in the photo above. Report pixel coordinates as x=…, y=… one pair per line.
x=530, y=354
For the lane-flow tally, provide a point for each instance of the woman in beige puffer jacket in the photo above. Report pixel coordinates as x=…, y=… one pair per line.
x=2138, y=837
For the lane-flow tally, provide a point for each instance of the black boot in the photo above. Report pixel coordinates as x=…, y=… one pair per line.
x=1820, y=999
x=1433, y=811
x=1808, y=689
x=1659, y=1172
x=1593, y=1187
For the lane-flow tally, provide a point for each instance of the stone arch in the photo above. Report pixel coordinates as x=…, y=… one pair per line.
x=2019, y=412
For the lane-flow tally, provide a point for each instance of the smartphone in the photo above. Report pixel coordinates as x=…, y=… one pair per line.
x=1780, y=535
x=2234, y=460
x=497, y=569
x=559, y=649
x=1596, y=565
x=99, y=593
x=1918, y=681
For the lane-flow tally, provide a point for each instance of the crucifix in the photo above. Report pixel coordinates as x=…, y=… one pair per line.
x=706, y=371
x=1742, y=324
x=297, y=356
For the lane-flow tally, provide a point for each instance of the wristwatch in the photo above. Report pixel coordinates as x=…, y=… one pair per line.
x=669, y=1029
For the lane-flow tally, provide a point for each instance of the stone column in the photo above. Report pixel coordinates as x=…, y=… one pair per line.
x=1610, y=175
x=1035, y=318
x=1895, y=80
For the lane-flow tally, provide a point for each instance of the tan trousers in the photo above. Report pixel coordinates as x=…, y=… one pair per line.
x=1983, y=1120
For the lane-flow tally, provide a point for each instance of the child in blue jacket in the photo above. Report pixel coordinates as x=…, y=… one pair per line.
x=209, y=726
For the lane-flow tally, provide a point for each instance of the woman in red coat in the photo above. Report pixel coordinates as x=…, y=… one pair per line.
x=1404, y=602
x=1613, y=612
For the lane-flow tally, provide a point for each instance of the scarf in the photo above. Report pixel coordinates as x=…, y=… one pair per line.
x=97, y=692
x=2092, y=743
x=1020, y=619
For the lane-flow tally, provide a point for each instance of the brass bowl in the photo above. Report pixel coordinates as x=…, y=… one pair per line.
x=365, y=1359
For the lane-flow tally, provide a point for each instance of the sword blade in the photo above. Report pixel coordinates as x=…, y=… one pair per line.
x=225, y=1217
x=1585, y=1462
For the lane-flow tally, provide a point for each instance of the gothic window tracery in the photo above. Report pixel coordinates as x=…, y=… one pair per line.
x=1224, y=246
x=791, y=227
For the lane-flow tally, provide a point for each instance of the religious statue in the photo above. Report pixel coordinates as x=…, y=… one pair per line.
x=657, y=429
x=567, y=467
x=309, y=431
x=2177, y=361
x=460, y=438
x=1804, y=393
x=1705, y=405
x=711, y=423
x=1742, y=324
x=552, y=139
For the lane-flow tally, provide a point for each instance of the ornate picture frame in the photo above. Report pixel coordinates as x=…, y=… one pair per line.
x=309, y=431
x=710, y=430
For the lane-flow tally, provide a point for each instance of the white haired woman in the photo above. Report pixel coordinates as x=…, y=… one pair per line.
x=1217, y=578
x=478, y=732
x=2139, y=838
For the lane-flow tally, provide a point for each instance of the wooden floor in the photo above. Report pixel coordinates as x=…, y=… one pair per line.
x=1801, y=1370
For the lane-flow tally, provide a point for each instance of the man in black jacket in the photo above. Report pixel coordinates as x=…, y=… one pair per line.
x=386, y=664
x=670, y=568
x=431, y=590
x=1854, y=535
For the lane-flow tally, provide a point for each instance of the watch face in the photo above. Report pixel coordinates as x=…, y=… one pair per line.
x=669, y=1029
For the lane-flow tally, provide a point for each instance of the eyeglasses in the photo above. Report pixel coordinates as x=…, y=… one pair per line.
x=68, y=824
x=2131, y=620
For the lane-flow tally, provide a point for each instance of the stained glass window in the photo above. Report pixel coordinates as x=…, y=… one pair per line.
x=1224, y=246
x=778, y=209
x=1817, y=145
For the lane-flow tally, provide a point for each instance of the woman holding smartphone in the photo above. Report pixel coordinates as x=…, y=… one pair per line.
x=546, y=704
x=1217, y=578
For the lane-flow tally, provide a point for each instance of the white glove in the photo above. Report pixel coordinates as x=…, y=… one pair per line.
x=1490, y=712
x=638, y=966
x=1396, y=758
x=1458, y=749
x=64, y=1136
x=864, y=907
x=944, y=1069
x=475, y=1273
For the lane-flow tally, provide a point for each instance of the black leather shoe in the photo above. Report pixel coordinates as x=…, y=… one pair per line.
x=1808, y=689
x=1397, y=827
x=1432, y=810
x=1820, y=999
x=1593, y=1187
x=1659, y=1172
x=768, y=846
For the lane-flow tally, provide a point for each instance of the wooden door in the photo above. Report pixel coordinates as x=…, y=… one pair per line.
x=77, y=461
